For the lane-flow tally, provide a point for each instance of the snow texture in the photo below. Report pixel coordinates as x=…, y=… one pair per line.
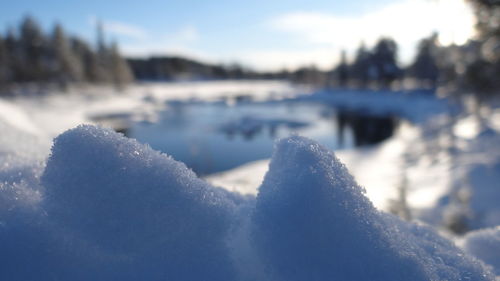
x=117, y=210
x=21, y=163
x=485, y=245
x=109, y=208
x=313, y=222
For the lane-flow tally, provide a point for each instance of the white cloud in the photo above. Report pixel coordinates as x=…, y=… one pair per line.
x=147, y=43
x=406, y=21
x=187, y=33
x=319, y=36
x=125, y=29
x=121, y=28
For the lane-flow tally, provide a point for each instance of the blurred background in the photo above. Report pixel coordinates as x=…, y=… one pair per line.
x=360, y=44
x=405, y=92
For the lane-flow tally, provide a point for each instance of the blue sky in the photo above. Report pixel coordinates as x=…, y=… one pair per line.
x=265, y=35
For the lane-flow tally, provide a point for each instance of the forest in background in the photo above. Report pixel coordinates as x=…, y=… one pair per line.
x=28, y=55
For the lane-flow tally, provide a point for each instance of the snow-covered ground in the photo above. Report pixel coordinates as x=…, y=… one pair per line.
x=103, y=207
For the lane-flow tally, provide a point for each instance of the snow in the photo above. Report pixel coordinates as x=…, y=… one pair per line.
x=427, y=183
x=313, y=222
x=417, y=106
x=109, y=208
x=15, y=117
x=485, y=245
x=471, y=199
x=468, y=128
x=21, y=163
x=87, y=104
x=449, y=179
x=130, y=201
x=244, y=179
x=227, y=90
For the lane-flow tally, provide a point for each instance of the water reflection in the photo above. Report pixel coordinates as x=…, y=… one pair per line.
x=250, y=127
x=213, y=137
x=365, y=129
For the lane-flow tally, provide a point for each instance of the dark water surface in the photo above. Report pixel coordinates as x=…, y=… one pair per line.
x=214, y=137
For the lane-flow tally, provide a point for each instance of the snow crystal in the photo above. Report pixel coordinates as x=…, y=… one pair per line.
x=485, y=245
x=134, y=208
x=313, y=222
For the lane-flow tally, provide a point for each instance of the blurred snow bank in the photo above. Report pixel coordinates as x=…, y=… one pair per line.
x=52, y=113
x=485, y=245
x=416, y=106
x=113, y=209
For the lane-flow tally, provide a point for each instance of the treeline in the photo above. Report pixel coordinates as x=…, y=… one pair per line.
x=482, y=68
x=178, y=68
x=30, y=55
x=473, y=67
x=378, y=67
x=469, y=67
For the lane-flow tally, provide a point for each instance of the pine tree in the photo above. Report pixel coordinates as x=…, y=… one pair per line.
x=360, y=69
x=100, y=41
x=385, y=61
x=33, y=52
x=29, y=55
x=66, y=66
x=4, y=64
x=119, y=68
x=103, y=70
x=88, y=59
x=425, y=68
x=14, y=55
x=482, y=74
x=342, y=70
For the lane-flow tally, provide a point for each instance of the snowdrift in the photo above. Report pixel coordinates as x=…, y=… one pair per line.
x=485, y=244
x=131, y=202
x=313, y=222
x=113, y=209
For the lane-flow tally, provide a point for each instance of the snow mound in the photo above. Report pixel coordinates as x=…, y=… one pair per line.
x=108, y=208
x=21, y=163
x=485, y=245
x=135, y=208
x=313, y=222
